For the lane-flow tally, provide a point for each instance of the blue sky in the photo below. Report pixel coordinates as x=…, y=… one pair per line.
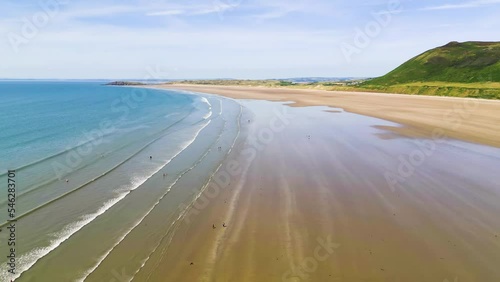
x=230, y=38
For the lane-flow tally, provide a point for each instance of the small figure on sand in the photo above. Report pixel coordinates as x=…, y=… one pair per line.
x=213, y=226
x=224, y=225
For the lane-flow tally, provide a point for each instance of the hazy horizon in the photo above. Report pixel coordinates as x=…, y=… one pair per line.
x=176, y=79
x=243, y=39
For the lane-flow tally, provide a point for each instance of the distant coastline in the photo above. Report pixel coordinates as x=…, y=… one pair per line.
x=442, y=71
x=125, y=83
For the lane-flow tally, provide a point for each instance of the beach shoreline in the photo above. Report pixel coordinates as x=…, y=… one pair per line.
x=155, y=158
x=309, y=205
x=471, y=120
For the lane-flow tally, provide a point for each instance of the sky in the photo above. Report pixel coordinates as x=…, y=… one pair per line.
x=247, y=39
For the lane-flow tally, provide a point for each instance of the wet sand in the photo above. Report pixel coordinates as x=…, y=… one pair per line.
x=309, y=200
x=472, y=120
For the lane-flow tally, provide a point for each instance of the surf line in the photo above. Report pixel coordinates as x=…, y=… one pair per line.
x=90, y=271
x=138, y=222
x=105, y=208
x=96, y=178
x=156, y=135
x=183, y=213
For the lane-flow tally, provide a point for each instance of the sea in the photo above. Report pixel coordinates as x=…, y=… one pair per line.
x=102, y=174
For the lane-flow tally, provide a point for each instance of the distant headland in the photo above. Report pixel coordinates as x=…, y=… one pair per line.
x=125, y=83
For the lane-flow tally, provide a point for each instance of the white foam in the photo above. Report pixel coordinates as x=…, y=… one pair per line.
x=26, y=261
x=209, y=114
x=184, y=212
x=205, y=100
x=102, y=258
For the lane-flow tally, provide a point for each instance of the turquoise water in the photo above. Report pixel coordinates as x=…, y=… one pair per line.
x=90, y=162
x=41, y=119
x=51, y=131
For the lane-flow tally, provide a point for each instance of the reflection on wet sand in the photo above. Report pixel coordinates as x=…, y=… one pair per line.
x=324, y=198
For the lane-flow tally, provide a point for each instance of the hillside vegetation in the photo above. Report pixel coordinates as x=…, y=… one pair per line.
x=466, y=62
x=469, y=69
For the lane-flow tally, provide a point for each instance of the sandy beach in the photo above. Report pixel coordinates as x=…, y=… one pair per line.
x=472, y=120
x=250, y=141
x=305, y=196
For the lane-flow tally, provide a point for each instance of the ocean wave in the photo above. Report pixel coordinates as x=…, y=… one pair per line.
x=205, y=100
x=182, y=214
x=188, y=207
x=90, y=181
x=87, y=141
x=25, y=262
x=102, y=258
x=209, y=114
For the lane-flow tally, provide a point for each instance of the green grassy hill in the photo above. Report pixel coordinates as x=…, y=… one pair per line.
x=469, y=69
x=454, y=62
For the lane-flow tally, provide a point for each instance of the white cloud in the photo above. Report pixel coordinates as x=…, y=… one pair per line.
x=167, y=13
x=278, y=9
x=193, y=10
x=463, y=5
x=74, y=12
x=93, y=39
